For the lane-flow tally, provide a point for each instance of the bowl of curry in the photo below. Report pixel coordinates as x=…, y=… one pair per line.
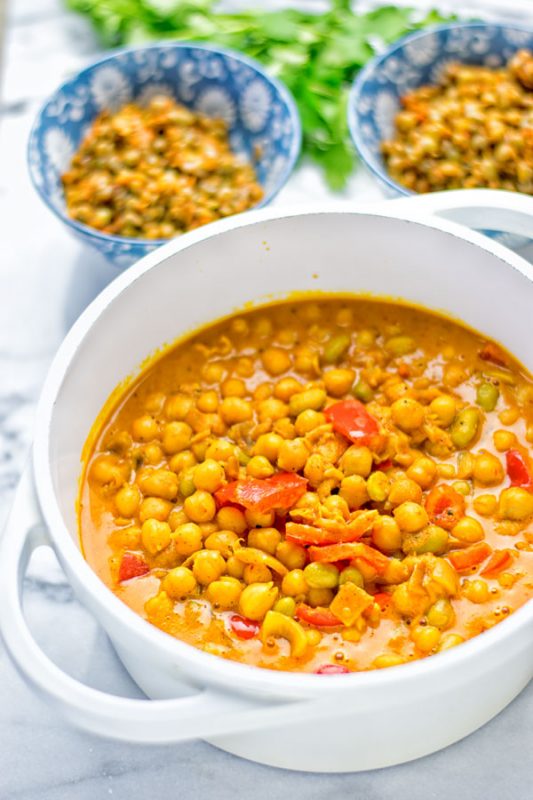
x=314, y=498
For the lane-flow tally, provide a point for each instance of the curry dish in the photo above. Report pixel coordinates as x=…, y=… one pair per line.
x=323, y=485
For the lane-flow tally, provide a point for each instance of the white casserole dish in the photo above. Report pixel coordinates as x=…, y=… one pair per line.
x=307, y=722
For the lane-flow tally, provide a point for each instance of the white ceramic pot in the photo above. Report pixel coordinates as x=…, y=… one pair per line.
x=300, y=721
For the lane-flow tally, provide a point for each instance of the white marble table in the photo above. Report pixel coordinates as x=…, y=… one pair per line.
x=45, y=281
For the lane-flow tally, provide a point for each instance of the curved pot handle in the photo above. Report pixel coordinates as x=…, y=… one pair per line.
x=208, y=713
x=480, y=209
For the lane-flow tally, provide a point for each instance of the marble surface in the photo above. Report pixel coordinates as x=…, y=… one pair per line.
x=45, y=282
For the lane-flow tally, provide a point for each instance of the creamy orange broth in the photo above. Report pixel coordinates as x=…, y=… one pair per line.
x=401, y=604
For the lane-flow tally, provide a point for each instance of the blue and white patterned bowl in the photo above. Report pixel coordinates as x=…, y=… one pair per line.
x=414, y=60
x=260, y=112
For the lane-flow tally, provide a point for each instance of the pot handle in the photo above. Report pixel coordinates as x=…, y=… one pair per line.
x=208, y=713
x=480, y=209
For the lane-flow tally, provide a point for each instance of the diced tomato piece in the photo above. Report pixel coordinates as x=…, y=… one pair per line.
x=331, y=669
x=499, y=560
x=470, y=556
x=319, y=617
x=445, y=506
x=518, y=470
x=383, y=599
x=491, y=352
x=350, y=550
x=242, y=627
x=279, y=492
x=384, y=465
x=351, y=419
x=132, y=566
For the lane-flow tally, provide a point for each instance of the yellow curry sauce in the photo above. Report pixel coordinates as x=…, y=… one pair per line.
x=326, y=485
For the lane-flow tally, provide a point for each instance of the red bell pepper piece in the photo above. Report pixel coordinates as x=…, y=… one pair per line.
x=132, y=566
x=349, y=551
x=351, y=419
x=331, y=669
x=470, y=556
x=243, y=627
x=518, y=470
x=491, y=352
x=281, y=491
x=445, y=506
x=319, y=617
x=331, y=533
x=383, y=599
x=499, y=560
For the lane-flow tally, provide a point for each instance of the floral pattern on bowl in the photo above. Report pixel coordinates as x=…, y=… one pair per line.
x=414, y=60
x=261, y=114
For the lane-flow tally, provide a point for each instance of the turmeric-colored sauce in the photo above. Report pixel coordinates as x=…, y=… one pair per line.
x=323, y=485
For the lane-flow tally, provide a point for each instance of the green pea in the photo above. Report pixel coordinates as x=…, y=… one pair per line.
x=363, y=391
x=441, y=614
x=286, y=605
x=321, y=576
x=487, y=396
x=465, y=427
x=336, y=348
x=377, y=486
x=311, y=398
x=187, y=486
x=400, y=345
x=352, y=575
x=432, y=539
x=463, y=487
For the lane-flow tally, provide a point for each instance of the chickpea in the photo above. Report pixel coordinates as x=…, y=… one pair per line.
x=285, y=605
x=321, y=576
x=213, y=372
x=407, y=414
x=160, y=483
x=509, y=415
x=441, y=614
x=403, y=490
x=398, y=346
x=339, y=381
x=145, y=428
x=181, y=461
x=314, y=637
x=411, y=517
x=231, y=519
x=272, y=409
x=256, y=573
x=286, y=387
x=225, y=592
x=256, y=599
x=176, y=518
x=423, y=471
x=207, y=402
x=152, y=454
x=208, y=566
x=259, y=519
x=220, y=450
x=357, y=461
x=200, y=506
x=378, y=486
x=268, y=445
x=154, y=402
x=259, y=467
x=235, y=409
x=276, y=360
x=179, y=582
x=176, y=437
x=187, y=539
x=209, y=475
x=308, y=420
x=154, y=508
x=485, y=505
x=444, y=408
x=244, y=367
x=488, y=469
x=155, y=535
x=223, y=541
x=516, y=504
x=294, y=583
x=320, y=596
x=503, y=440
x=386, y=534
x=178, y=406
x=353, y=489
x=109, y=471
x=233, y=387
x=293, y=455
x=476, y=591
x=450, y=640
x=314, y=469
x=425, y=637
x=337, y=505
x=432, y=539
x=292, y=555
x=266, y=539
x=127, y=500
x=306, y=361
x=234, y=567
